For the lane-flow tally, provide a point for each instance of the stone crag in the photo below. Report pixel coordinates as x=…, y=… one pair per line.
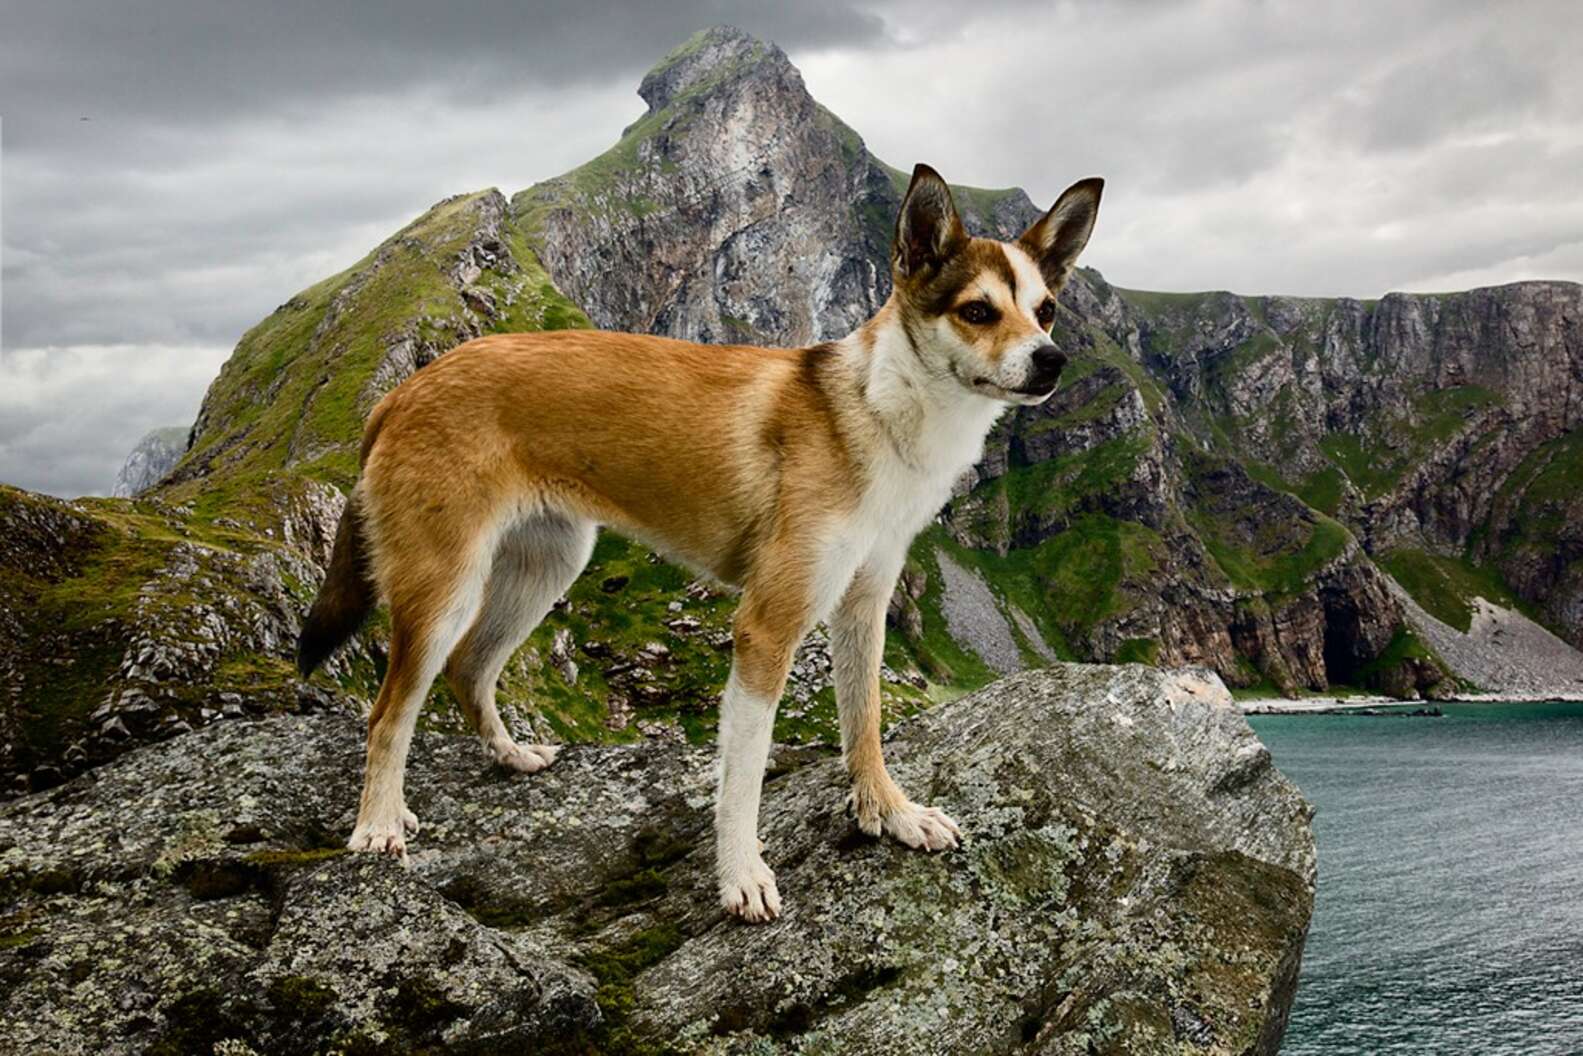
x=1137, y=878
x=150, y=460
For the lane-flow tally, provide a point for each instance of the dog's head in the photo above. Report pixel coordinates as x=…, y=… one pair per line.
x=980, y=310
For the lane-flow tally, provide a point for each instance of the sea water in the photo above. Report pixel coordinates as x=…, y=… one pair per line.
x=1449, y=911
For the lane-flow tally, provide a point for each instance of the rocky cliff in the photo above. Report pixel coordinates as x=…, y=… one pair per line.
x=1443, y=429
x=149, y=460
x=1136, y=878
x=1222, y=480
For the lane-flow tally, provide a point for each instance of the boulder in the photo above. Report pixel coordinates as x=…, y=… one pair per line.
x=1136, y=878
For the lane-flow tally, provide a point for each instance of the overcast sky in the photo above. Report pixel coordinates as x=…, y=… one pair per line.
x=170, y=172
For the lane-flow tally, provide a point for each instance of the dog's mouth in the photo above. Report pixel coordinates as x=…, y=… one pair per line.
x=1000, y=392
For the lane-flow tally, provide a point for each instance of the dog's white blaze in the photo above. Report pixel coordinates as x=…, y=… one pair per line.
x=1031, y=293
x=1031, y=290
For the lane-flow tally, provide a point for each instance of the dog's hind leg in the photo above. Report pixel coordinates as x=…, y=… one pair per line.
x=435, y=600
x=534, y=563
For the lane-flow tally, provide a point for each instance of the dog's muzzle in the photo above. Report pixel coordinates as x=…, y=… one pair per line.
x=1044, y=371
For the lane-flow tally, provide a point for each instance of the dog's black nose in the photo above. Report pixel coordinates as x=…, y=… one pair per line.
x=1046, y=367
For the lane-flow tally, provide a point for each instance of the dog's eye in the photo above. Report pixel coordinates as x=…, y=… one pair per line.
x=977, y=312
x=1046, y=313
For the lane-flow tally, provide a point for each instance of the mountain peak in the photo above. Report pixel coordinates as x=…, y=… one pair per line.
x=707, y=58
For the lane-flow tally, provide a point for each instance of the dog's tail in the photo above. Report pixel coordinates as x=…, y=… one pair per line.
x=346, y=597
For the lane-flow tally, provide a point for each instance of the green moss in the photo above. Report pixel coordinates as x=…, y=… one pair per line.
x=1138, y=651
x=193, y=1022
x=638, y=887
x=614, y=967
x=1237, y=904
x=17, y=939
x=300, y=997
x=293, y=858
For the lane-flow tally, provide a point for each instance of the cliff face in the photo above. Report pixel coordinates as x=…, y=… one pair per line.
x=1137, y=879
x=1442, y=428
x=1221, y=480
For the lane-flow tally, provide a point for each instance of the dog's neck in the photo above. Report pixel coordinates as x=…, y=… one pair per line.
x=934, y=423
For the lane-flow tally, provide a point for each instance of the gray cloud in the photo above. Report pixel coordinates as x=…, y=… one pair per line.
x=176, y=64
x=69, y=415
x=235, y=153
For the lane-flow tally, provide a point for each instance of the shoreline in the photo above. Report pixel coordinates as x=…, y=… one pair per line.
x=1335, y=705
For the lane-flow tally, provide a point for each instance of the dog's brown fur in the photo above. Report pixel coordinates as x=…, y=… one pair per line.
x=484, y=473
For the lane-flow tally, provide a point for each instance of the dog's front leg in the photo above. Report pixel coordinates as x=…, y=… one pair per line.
x=767, y=632
x=857, y=644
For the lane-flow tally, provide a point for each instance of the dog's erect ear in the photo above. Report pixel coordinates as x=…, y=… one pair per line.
x=928, y=231
x=1058, y=236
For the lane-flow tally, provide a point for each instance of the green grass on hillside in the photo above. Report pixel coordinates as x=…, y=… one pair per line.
x=1256, y=568
x=1550, y=482
x=940, y=657
x=291, y=400
x=1377, y=462
x=1094, y=569
x=1092, y=410
x=1446, y=586
x=1157, y=303
x=1058, y=485
x=1404, y=646
x=1320, y=490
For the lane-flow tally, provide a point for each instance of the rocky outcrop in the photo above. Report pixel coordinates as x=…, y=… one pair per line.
x=120, y=626
x=736, y=209
x=1137, y=878
x=149, y=461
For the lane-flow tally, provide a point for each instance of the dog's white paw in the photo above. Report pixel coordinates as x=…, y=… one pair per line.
x=409, y=822
x=925, y=828
x=748, y=891
x=525, y=758
x=388, y=839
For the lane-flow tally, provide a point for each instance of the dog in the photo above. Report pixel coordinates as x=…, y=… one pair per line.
x=799, y=476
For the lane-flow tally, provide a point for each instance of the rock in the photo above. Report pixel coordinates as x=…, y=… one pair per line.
x=1136, y=878
x=153, y=457
x=561, y=646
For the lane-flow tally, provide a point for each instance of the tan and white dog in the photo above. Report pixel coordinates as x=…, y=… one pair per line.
x=798, y=475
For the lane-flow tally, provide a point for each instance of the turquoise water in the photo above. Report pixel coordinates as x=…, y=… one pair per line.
x=1449, y=913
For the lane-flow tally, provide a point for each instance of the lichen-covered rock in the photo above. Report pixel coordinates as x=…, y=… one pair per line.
x=1136, y=878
